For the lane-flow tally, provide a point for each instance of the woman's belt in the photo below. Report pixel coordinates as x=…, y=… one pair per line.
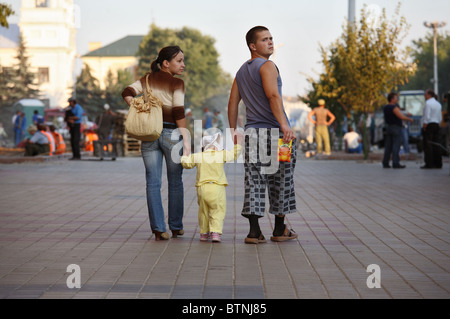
x=171, y=126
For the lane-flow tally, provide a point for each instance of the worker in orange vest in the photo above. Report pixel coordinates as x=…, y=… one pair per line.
x=60, y=145
x=43, y=128
x=90, y=136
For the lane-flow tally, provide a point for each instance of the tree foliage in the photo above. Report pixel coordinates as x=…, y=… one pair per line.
x=364, y=64
x=89, y=94
x=5, y=12
x=203, y=76
x=18, y=82
x=423, y=54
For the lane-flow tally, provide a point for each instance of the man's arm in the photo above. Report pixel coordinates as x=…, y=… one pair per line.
x=269, y=75
x=310, y=117
x=233, y=109
x=426, y=115
x=400, y=115
x=332, y=118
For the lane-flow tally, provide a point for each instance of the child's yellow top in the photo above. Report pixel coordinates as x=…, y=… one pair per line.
x=210, y=165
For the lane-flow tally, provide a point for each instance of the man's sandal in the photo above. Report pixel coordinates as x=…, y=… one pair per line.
x=288, y=234
x=260, y=240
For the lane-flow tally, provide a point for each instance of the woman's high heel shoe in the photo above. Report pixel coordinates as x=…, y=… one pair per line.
x=161, y=236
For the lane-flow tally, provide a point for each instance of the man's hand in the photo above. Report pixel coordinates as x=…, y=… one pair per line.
x=288, y=134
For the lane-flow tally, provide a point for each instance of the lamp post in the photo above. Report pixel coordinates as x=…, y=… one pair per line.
x=351, y=11
x=435, y=26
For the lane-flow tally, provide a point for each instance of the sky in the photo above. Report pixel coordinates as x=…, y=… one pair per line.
x=299, y=27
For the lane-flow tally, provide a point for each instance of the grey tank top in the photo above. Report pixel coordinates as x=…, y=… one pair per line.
x=249, y=81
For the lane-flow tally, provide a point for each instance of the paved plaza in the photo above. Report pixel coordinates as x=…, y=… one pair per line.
x=350, y=215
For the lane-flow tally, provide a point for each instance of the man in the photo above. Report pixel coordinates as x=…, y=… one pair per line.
x=39, y=143
x=208, y=118
x=393, y=118
x=258, y=84
x=37, y=118
x=352, y=142
x=432, y=117
x=73, y=119
x=20, y=125
x=105, y=122
x=218, y=120
x=322, y=135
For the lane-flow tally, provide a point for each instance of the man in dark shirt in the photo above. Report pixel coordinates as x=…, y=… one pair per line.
x=393, y=117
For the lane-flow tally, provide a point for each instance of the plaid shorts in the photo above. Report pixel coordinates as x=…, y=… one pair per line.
x=263, y=171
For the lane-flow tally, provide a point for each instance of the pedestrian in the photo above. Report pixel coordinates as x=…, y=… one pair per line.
x=14, y=117
x=258, y=84
x=74, y=117
x=37, y=118
x=405, y=132
x=170, y=91
x=218, y=120
x=60, y=145
x=432, y=117
x=353, y=142
x=105, y=123
x=211, y=184
x=208, y=118
x=393, y=118
x=20, y=125
x=39, y=143
x=322, y=123
x=3, y=135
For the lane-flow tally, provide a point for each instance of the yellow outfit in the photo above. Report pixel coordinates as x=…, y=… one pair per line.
x=211, y=183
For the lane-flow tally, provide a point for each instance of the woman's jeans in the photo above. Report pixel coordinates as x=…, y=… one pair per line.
x=153, y=153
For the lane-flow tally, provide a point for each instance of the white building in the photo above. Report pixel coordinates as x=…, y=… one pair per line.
x=48, y=28
x=119, y=55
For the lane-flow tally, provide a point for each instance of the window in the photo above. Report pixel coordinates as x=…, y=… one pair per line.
x=42, y=3
x=43, y=75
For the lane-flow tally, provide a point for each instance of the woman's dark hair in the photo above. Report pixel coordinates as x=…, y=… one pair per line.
x=167, y=53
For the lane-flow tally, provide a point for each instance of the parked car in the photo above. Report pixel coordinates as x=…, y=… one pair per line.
x=413, y=102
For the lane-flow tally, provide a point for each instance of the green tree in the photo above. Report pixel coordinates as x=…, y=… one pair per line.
x=203, y=77
x=88, y=93
x=423, y=54
x=22, y=82
x=114, y=88
x=5, y=12
x=363, y=65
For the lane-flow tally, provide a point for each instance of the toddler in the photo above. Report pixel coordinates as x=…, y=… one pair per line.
x=211, y=183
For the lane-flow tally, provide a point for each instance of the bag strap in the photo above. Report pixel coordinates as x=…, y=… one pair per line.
x=146, y=89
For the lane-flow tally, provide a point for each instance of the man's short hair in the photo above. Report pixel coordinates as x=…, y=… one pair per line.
x=252, y=34
x=431, y=93
x=391, y=96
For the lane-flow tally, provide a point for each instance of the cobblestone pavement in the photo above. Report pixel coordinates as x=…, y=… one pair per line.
x=349, y=215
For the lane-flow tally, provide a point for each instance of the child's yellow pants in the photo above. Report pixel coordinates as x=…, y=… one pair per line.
x=212, y=202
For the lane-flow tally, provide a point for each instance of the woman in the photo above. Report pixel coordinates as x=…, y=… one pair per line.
x=169, y=90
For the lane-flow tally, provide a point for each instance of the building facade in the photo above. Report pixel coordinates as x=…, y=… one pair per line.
x=49, y=31
x=117, y=56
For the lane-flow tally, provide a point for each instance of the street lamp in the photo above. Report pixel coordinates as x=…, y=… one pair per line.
x=352, y=11
x=435, y=26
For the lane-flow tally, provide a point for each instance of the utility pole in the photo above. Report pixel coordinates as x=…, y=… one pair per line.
x=351, y=11
x=435, y=26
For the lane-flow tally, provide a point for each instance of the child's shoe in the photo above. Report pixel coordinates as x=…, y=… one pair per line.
x=204, y=237
x=216, y=238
